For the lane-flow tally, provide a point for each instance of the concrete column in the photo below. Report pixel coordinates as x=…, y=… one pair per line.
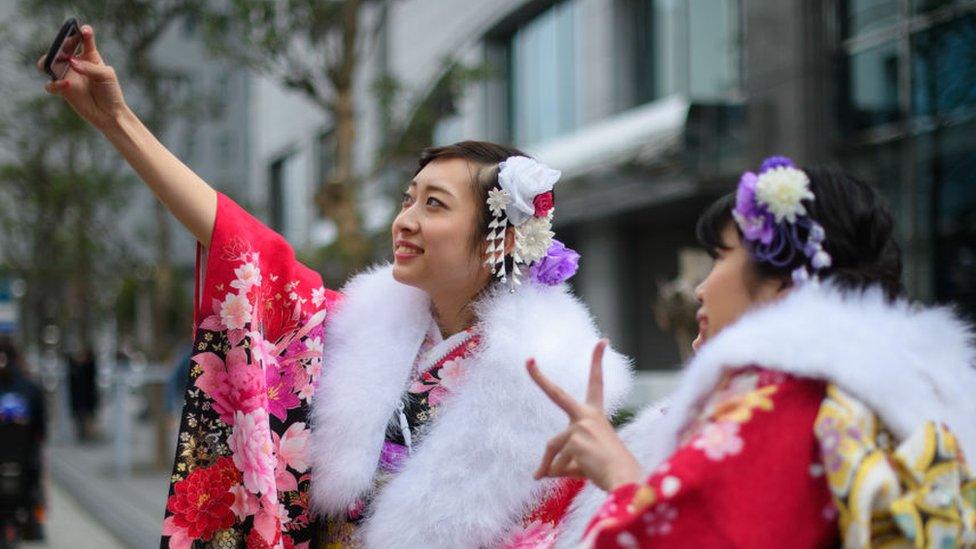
x=788, y=77
x=596, y=60
x=601, y=253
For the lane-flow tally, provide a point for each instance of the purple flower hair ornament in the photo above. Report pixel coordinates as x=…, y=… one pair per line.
x=559, y=265
x=770, y=212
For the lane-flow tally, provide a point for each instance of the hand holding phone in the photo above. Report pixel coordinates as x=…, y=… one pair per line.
x=67, y=44
x=92, y=89
x=82, y=78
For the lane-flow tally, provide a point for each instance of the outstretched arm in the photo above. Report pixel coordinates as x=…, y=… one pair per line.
x=92, y=89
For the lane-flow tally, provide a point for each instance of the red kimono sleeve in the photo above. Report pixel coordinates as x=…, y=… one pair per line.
x=241, y=474
x=749, y=475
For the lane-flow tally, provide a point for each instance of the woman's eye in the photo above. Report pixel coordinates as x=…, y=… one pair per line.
x=434, y=202
x=406, y=199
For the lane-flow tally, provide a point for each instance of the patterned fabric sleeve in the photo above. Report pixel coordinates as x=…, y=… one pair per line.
x=241, y=474
x=747, y=474
x=919, y=493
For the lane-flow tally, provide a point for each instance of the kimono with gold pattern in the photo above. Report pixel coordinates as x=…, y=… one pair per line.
x=241, y=474
x=828, y=418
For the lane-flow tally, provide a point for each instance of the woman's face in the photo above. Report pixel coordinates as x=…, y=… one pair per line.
x=433, y=232
x=731, y=289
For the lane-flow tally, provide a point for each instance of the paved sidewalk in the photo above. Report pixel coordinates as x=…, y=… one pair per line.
x=70, y=525
x=129, y=506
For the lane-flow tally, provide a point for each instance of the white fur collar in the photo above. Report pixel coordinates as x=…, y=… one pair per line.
x=469, y=480
x=910, y=364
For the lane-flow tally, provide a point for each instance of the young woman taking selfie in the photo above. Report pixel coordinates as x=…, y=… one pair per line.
x=423, y=429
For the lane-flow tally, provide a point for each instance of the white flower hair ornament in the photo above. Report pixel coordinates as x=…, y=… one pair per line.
x=523, y=200
x=770, y=212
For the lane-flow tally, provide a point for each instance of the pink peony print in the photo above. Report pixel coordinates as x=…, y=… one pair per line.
x=285, y=481
x=718, y=440
x=266, y=524
x=245, y=504
x=179, y=538
x=262, y=350
x=248, y=276
x=293, y=447
x=234, y=385
x=253, y=450
x=235, y=311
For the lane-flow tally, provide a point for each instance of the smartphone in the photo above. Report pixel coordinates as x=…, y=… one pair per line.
x=66, y=45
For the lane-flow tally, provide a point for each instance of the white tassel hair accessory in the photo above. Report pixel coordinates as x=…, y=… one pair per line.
x=524, y=201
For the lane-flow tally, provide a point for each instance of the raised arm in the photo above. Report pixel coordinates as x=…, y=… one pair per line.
x=93, y=91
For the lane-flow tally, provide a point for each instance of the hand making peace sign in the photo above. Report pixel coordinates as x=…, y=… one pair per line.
x=589, y=447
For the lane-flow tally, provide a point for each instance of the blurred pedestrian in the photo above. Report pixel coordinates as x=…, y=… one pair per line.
x=82, y=372
x=23, y=427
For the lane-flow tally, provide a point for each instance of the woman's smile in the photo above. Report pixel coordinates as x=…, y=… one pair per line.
x=404, y=250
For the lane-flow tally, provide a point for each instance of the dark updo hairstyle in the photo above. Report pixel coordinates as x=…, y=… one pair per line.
x=486, y=156
x=859, y=233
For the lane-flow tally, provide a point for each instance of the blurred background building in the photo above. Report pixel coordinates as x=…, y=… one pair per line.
x=651, y=108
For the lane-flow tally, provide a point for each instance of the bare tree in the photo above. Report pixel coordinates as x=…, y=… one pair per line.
x=312, y=47
x=59, y=198
x=133, y=29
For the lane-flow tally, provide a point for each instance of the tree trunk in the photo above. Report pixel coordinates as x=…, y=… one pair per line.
x=338, y=199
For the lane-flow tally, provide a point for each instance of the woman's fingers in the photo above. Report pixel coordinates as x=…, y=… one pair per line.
x=563, y=465
x=553, y=448
x=573, y=469
x=594, y=391
x=57, y=87
x=40, y=64
x=95, y=71
x=553, y=391
x=88, y=40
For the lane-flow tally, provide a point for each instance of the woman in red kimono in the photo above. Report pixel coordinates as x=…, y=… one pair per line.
x=820, y=407
x=415, y=368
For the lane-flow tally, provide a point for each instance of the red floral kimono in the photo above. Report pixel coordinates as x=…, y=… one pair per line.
x=241, y=474
x=829, y=417
x=776, y=460
x=753, y=438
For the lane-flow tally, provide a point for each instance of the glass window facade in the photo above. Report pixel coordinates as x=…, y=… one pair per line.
x=288, y=192
x=680, y=46
x=863, y=16
x=873, y=81
x=910, y=116
x=944, y=67
x=543, y=75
